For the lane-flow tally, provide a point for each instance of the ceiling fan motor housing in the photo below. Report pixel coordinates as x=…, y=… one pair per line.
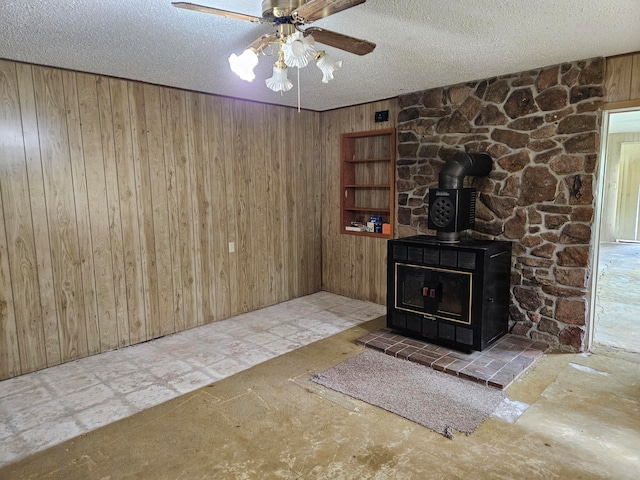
x=272, y=9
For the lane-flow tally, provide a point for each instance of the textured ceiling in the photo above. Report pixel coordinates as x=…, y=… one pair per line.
x=420, y=43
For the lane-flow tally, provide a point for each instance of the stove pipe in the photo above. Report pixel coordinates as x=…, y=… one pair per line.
x=452, y=208
x=461, y=165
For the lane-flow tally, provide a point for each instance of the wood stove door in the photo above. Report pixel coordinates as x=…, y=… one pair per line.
x=417, y=289
x=436, y=292
x=410, y=284
x=454, y=296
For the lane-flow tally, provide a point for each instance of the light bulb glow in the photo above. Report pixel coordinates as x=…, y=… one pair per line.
x=298, y=50
x=244, y=64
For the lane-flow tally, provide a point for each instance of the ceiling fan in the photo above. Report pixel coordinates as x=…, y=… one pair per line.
x=294, y=45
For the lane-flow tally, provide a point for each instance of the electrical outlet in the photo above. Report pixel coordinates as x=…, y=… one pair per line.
x=232, y=247
x=382, y=116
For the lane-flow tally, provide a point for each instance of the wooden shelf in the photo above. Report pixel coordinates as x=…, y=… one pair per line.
x=368, y=160
x=367, y=234
x=375, y=186
x=367, y=209
x=367, y=173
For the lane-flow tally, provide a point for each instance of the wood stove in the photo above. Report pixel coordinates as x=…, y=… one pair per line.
x=456, y=295
x=453, y=292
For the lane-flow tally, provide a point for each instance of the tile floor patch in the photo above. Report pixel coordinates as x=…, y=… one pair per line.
x=104, y=413
x=44, y=408
x=497, y=366
x=510, y=410
x=31, y=416
x=150, y=396
x=43, y=436
x=582, y=368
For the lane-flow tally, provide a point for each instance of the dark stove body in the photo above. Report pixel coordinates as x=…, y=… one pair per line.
x=455, y=295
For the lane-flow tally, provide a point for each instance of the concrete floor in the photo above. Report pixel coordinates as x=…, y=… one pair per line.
x=617, y=309
x=270, y=421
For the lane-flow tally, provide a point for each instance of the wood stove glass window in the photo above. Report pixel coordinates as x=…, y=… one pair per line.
x=433, y=291
x=413, y=281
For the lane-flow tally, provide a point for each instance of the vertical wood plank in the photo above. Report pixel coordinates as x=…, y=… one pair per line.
x=259, y=201
x=232, y=203
x=113, y=209
x=98, y=210
x=312, y=201
x=61, y=217
x=201, y=178
x=172, y=204
x=314, y=174
x=349, y=250
x=140, y=159
x=14, y=187
x=128, y=207
x=329, y=197
x=618, y=78
x=185, y=220
x=38, y=213
x=83, y=221
x=198, y=230
x=9, y=347
x=273, y=173
x=217, y=161
x=160, y=203
x=280, y=164
x=299, y=191
x=317, y=165
x=245, y=173
x=291, y=206
x=634, y=91
x=9, y=352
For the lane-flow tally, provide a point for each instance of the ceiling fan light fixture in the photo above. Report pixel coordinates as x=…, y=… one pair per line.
x=294, y=46
x=279, y=82
x=298, y=50
x=327, y=65
x=244, y=64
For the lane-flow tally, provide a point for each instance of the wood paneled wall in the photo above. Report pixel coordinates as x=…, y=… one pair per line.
x=118, y=201
x=354, y=266
x=622, y=80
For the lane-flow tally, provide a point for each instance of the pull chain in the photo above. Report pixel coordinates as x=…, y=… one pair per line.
x=298, y=89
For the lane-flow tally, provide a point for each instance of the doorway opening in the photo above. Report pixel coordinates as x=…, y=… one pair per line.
x=615, y=297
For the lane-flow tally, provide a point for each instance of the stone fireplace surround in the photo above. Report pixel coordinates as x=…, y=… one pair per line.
x=541, y=127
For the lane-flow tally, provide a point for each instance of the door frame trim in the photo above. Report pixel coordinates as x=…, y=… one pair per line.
x=597, y=221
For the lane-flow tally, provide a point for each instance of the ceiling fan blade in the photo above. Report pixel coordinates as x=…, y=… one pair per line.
x=317, y=9
x=216, y=11
x=338, y=40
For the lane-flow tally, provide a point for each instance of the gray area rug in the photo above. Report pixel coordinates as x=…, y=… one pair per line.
x=436, y=400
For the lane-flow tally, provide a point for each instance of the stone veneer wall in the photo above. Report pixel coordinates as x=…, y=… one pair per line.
x=541, y=127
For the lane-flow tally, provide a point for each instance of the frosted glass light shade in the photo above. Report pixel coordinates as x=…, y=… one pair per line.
x=327, y=65
x=244, y=64
x=279, y=82
x=298, y=50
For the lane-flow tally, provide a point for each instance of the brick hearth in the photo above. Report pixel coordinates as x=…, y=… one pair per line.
x=497, y=366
